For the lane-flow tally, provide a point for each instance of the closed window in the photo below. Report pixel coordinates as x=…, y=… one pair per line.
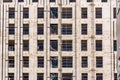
x=66, y=45
x=115, y=45
x=53, y=45
x=7, y=0
x=84, y=29
x=40, y=13
x=98, y=45
x=54, y=76
x=67, y=76
x=25, y=12
x=25, y=45
x=54, y=29
x=83, y=45
x=98, y=12
x=103, y=0
x=40, y=29
x=84, y=62
x=40, y=76
x=11, y=12
x=20, y=0
x=99, y=62
x=25, y=76
x=25, y=61
x=84, y=76
x=114, y=13
x=67, y=13
x=11, y=29
x=84, y=13
x=89, y=0
x=40, y=45
x=66, y=29
x=25, y=29
x=54, y=13
x=10, y=62
x=115, y=76
x=54, y=62
x=98, y=29
x=40, y=62
x=10, y=76
x=11, y=45
x=99, y=76
x=34, y=0
x=67, y=62
x=72, y=0
x=52, y=0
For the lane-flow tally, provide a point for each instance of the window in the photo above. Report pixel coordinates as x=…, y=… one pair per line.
x=99, y=76
x=84, y=13
x=66, y=12
x=54, y=13
x=98, y=12
x=98, y=45
x=7, y=0
x=54, y=62
x=67, y=76
x=20, y=0
x=84, y=62
x=11, y=45
x=52, y=0
x=66, y=29
x=54, y=76
x=40, y=62
x=25, y=45
x=114, y=13
x=54, y=29
x=103, y=0
x=89, y=0
x=84, y=76
x=25, y=29
x=115, y=45
x=40, y=76
x=11, y=29
x=83, y=45
x=40, y=29
x=34, y=0
x=98, y=29
x=40, y=45
x=25, y=12
x=11, y=12
x=25, y=61
x=25, y=76
x=84, y=29
x=72, y=0
x=40, y=13
x=99, y=62
x=10, y=62
x=115, y=76
x=67, y=62
x=10, y=76
x=53, y=45
x=66, y=45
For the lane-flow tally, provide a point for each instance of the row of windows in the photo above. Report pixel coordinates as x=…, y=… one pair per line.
x=65, y=46
x=66, y=13
x=51, y=0
x=65, y=76
x=66, y=29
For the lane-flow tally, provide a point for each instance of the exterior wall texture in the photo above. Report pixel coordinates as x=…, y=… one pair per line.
x=107, y=37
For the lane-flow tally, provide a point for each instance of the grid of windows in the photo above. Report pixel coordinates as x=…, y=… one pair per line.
x=66, y=45
x=40, y=62
x=66, y=12
x=67, y=62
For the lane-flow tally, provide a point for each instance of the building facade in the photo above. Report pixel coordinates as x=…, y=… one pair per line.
x=58, y=40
